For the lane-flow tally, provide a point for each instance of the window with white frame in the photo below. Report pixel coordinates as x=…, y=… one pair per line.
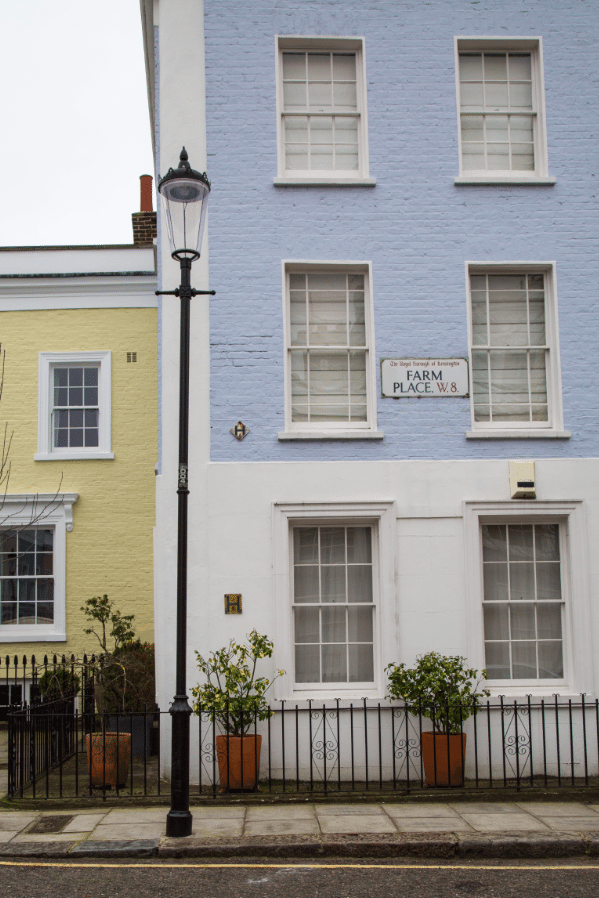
x=322, y=118
x=523, y=601
x=501, y=108
x=328, y=350
x=528, y=595
x=335, y=581
x=514, y=354
x=32, y=566
x=333, y=604
x=74, y=405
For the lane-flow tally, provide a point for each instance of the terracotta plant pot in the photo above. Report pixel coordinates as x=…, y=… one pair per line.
x=108, y=756
x=229, y=754
x=443, y=767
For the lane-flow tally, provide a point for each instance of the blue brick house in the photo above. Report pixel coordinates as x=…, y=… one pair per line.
x=402, y=194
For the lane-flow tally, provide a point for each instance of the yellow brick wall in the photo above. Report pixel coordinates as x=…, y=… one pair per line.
x=110, y=547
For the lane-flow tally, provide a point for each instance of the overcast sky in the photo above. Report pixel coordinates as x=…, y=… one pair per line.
x=74, y=117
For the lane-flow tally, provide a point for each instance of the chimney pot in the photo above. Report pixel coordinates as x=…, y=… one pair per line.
x=145, y=193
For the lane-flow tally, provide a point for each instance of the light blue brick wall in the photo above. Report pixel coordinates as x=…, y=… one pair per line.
x=415, y=226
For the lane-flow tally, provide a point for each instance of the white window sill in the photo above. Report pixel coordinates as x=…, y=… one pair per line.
x=73, y=456
x=491, y=179
x=324, y=182
x=327, y=696
x=518, y=434
x=331, y=435
x=23, y=634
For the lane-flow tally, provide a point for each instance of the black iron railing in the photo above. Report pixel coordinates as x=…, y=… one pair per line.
x=313, y=748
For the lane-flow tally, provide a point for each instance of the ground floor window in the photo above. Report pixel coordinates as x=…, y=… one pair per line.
x=333, y=604
x=523, y=605
x=26, y=576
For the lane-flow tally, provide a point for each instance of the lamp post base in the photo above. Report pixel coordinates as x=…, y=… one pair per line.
x=178, y=824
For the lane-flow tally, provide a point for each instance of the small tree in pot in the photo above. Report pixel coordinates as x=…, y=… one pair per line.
x=443, y=689
x=235, y=698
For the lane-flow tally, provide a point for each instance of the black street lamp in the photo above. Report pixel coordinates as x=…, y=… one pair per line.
x=185, y=199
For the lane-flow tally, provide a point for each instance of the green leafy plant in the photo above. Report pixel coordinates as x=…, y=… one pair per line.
x=125, y=670
x=440, y=687
x=58, y=683
x=232, y=694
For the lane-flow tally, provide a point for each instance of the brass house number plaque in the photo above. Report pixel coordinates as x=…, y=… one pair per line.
x=233, y=603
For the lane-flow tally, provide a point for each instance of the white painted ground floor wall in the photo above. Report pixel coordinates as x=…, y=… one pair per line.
x=426, y=517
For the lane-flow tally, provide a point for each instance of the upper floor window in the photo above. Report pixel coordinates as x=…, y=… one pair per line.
x=329, y=346
x=502, y=129
x=322, y=115
x=514, y=354
x=74, y=405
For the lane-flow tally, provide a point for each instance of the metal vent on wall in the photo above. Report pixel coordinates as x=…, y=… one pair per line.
x=131, y=356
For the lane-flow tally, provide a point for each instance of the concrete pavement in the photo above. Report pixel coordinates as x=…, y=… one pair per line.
x=310, y=829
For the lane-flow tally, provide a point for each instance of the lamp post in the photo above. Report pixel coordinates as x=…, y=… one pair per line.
x=184, y=195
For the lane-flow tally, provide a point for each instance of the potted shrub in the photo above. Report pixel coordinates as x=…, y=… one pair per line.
x=109, y=753
x=444, y=689
x=235, y=698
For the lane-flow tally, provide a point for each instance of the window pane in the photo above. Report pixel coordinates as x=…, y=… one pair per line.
x=494, y=542
x=334, y=664
x=497, y=660
x=307, y=663
x=547, y=542
x=359, y=624
x=361, y=663
x=334, y=625
x=523, y=621
x=524, y=661
x=333, y=583
x=549, y=621
x=307, y=625
x=522, y=581
x=496, y=582
x=521, y=542
x=551, y=663
x=306, y=588
x=496, y=621
x=305, y=544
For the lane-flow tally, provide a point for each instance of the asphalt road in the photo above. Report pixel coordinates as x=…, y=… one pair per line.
x=360, y=879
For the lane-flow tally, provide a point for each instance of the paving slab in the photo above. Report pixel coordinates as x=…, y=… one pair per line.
x=488, y=823
x=218, y=827
x=220, y=811
x=82, y=823
x=355, y=810
x=485, y=807
x=118, y=832
x=283, y=812
x=6, y=834
x=559, y=809
x=16, y=821
x=136, y=815
x=356, y=823
x=433, y=825
x=575, y=824
x=282, y=827
x=429, y=809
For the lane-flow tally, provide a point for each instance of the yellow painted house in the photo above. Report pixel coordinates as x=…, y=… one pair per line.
x=78, y=330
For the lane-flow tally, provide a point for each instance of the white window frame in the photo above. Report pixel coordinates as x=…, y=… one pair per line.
x=47, y=362
x=534, y=45
x=382, y=517
x=554, y=427
x=55, y=510
x=332, y=430
x=577, y=655
x=340, y=177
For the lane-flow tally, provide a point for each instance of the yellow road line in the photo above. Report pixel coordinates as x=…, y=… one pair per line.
x=355, y=866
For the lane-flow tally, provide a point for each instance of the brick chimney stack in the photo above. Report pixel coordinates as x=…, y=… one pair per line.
x=144, y=221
